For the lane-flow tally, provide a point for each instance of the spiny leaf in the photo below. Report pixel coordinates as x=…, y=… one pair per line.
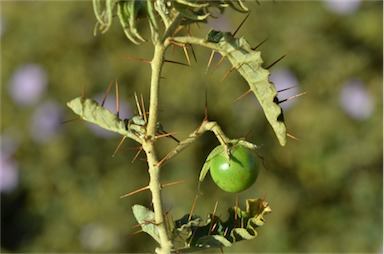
x=91, y=111
x=238, y=227
x=248, y=62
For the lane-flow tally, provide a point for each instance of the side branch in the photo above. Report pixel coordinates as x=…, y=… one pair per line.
x=206, y=126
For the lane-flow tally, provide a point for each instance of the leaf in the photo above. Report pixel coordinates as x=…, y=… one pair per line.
x=248, y=63
x=216, y=233
x=91, y=111
x=145, y=218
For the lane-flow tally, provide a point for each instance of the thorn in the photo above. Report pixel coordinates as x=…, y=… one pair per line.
x=212, y=217
x=83, y=91
x=210, y=61
x=230, y=72
x=242, y=22
x=151, y=221
x=165, y=157
x=137, y=154
x=262, y=201
x=175, y=62
x=247, y=134
x=172, y=183
x=147, y=187
x=186, y=55
x=118, y=146
x=136, y=191
x=117, y=99
x=71, y=120
x=242, y=96
x=275, y=62
x=143, y=108
x=293, y=137
x=292, y=97
x=136, y=232
x=193, y=54
x=138, y=105
x=137, y=59
x=261, y=43
x=285, y=89
x=106, y=94
x=168, y=135
x=193, y=208
x=218, y=64
x=181, y=45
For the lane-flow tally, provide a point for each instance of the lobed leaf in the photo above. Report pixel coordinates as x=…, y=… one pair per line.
x=216, y=233
x=248, y=63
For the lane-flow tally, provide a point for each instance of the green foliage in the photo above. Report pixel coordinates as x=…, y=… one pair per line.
x=214, y=233
x=248, y=63
x=69, y=186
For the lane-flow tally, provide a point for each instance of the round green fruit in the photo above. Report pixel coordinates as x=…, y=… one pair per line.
x=237, y=175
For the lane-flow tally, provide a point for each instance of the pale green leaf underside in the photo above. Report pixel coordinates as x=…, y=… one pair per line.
x=145, y=218
x=248, y=63
x=92, y=112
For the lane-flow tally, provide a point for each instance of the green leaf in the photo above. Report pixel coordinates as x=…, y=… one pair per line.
x=248, y=63
x=145, y=218
x=91, y=111
x=215, y=233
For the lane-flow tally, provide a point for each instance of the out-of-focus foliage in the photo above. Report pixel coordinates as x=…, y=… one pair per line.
x=60, y=186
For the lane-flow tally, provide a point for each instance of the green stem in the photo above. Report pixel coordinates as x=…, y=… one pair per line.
x=149, y=148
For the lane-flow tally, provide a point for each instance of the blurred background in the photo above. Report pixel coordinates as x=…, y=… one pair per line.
x=60, y=185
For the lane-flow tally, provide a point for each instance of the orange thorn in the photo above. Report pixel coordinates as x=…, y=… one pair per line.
x=83, y=91
x=167, y=135
x=143, y=108
x=218, y=64
x=106, y=94
x=242, y=96
x=136, y=191
x=186, y=55
x=193, y=208
x=166, y=157
x=262, y=201
x=138, y=105
x=137, y=154
x=229, y=72
x=212, y=217
x=136, y=232
x=209, y=61
x=247, y=134
x=71, y=120
x=293, y=97
x=118, y=146
x=137, y=59
x=172, y=183
x=293, y=137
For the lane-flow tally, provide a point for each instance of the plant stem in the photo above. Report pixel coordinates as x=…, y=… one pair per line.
x=149, y=148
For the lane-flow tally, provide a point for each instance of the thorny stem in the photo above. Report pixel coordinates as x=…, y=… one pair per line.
x=149, y=148
x=206, y=126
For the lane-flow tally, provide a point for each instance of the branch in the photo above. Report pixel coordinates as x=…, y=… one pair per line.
x=204, y=127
